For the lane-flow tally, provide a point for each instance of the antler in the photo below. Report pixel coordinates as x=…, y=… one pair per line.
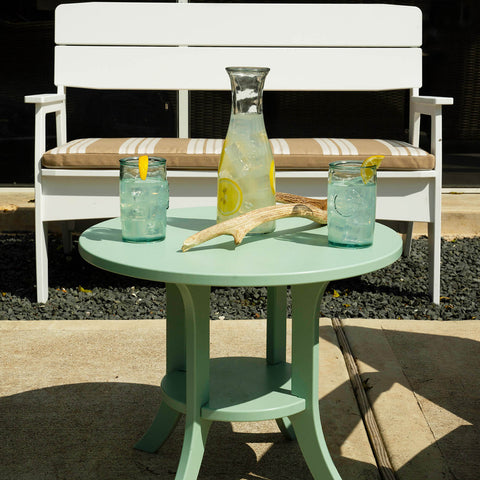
x=239, y=226
x=290, y=198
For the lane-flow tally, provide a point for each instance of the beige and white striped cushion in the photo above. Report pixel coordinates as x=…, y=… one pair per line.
x=204, y=154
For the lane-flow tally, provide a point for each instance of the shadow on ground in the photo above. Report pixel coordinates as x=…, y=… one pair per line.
x=87, y=430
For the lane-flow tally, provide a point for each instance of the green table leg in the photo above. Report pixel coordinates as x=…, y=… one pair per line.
x=276, y=340
x=305, y=334
x=176, y=353
x=196, y=302
x=167, y=418
x=187, y=349
x=276, y=324
x=162, y=426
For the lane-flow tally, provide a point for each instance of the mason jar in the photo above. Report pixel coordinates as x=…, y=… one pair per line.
x=352, y=195
x=143, y=202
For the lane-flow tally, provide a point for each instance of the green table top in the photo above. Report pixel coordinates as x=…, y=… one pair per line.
x=296, y=252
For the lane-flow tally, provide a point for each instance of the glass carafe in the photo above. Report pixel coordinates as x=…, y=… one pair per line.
x=246, y=173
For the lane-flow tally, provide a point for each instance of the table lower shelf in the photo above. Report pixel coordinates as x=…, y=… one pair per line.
x=241, y=389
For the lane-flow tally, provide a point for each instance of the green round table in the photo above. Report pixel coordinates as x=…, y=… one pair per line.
x=295, y=254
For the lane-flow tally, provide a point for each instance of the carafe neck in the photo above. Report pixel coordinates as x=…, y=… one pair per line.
x=247, y=88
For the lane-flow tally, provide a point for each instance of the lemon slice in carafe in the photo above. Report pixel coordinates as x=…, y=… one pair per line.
x=272, y=176
x=230, y=196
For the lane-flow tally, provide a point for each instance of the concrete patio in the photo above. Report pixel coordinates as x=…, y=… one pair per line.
x=76, y=395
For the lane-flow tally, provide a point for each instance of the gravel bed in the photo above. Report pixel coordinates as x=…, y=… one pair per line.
x=81, y=291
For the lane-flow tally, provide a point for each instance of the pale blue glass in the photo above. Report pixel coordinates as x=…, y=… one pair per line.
x=351, y=204
x=143, y=203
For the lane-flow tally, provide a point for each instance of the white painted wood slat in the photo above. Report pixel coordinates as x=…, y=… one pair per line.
x=203, y=68
x=122, y=23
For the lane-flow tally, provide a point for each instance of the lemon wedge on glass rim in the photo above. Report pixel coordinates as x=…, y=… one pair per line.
x=143, y=166
x=373, y=161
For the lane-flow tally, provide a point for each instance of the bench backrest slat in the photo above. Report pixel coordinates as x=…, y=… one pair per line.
x=321, y=25
x=184, y=46
x=203, y=68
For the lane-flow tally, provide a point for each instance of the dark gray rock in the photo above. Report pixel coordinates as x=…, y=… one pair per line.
x=81, y=291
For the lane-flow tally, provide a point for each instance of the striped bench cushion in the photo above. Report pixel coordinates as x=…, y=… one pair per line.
x=204, y=154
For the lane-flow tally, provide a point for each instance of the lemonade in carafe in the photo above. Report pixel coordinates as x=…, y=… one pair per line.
x=246, y=173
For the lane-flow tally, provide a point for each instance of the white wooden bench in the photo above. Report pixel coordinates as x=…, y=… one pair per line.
x=181, y=46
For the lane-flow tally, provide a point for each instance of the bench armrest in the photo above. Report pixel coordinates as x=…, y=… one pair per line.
x=45, y=98
x=431, y=106
x=425, y=100
x=46, y=103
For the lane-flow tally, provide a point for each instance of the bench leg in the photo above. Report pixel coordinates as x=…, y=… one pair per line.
x=67, y=229
x=41, y=255
x=407, y=239
x=434, y=256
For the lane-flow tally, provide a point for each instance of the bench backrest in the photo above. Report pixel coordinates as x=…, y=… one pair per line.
x=182, y=46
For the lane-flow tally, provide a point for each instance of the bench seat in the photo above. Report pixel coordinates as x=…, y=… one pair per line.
x=204, y=154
